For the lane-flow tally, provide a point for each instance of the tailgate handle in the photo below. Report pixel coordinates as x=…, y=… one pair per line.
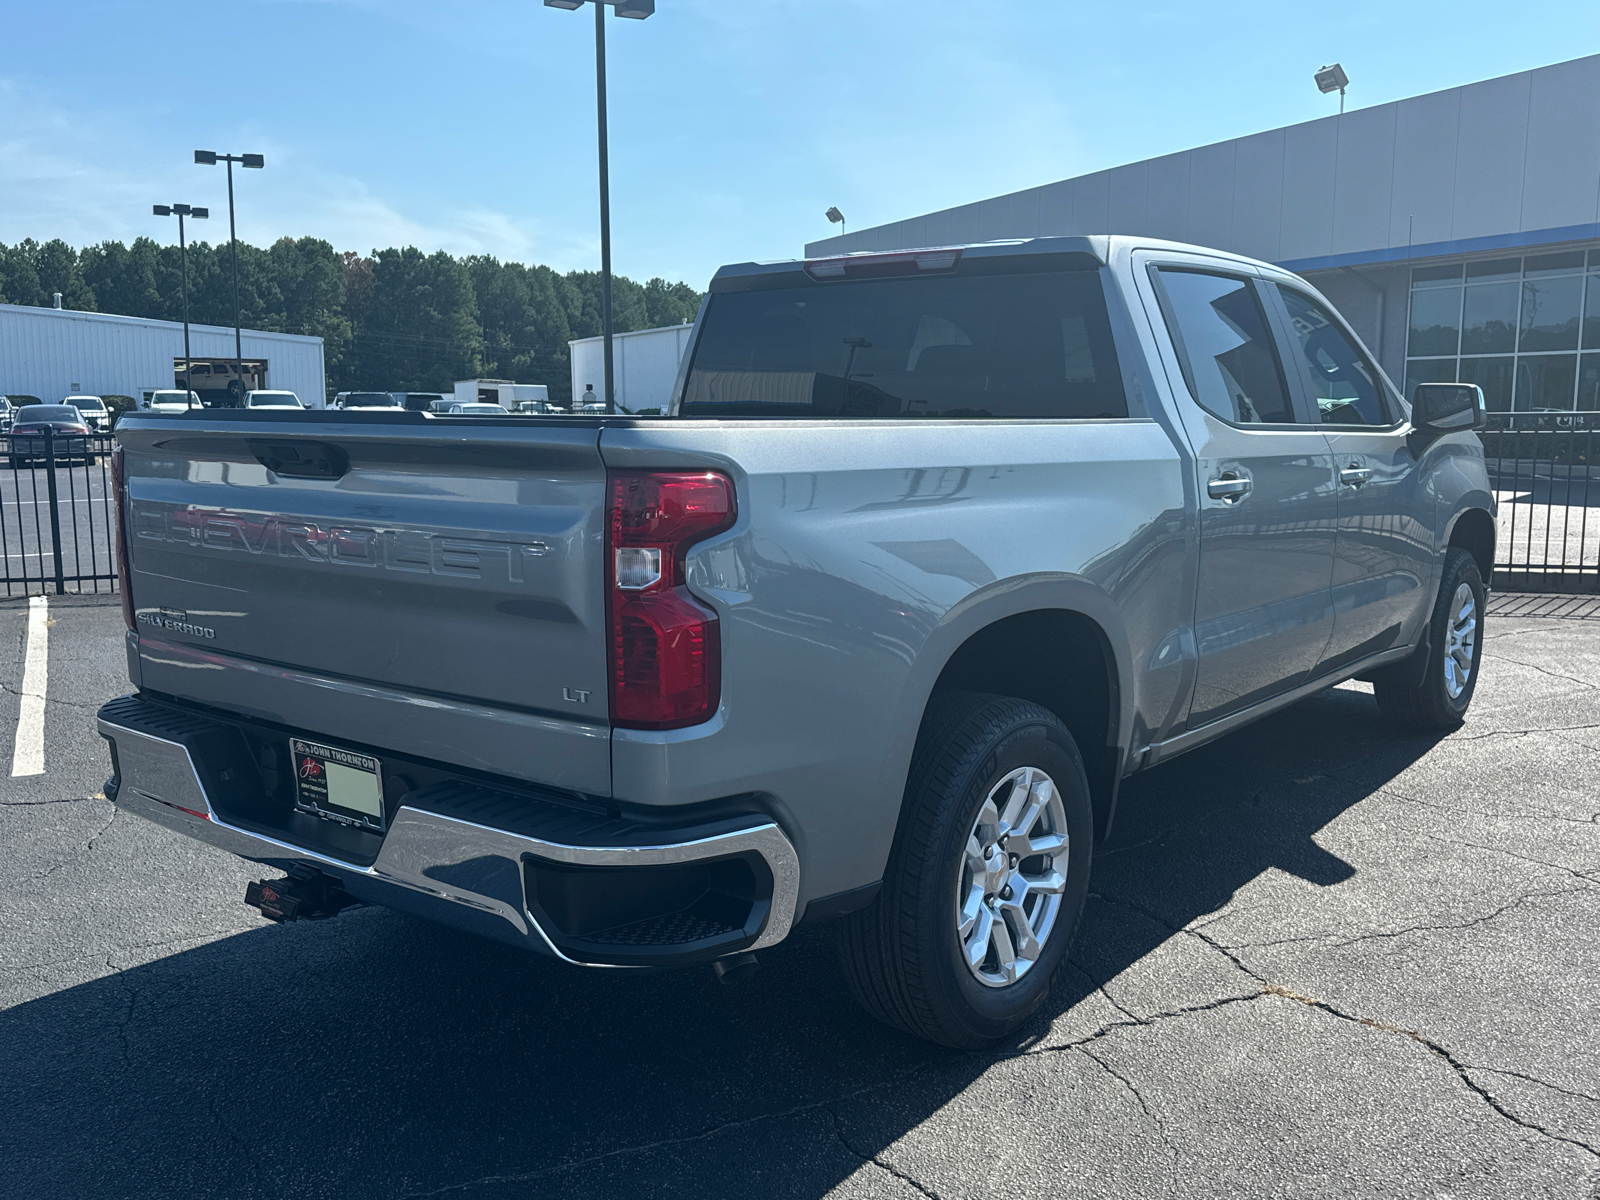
x=301, y=460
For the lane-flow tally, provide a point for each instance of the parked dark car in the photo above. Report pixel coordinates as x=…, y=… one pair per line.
x=70, y=434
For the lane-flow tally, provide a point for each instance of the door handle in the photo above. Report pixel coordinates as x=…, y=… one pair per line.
x=1228, y=487
x=1355, y=475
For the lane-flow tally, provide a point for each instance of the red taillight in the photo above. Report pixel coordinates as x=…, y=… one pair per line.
x=664, y=656
x=119, y=486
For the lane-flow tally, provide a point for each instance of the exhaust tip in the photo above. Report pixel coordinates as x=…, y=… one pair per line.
x=736, y=968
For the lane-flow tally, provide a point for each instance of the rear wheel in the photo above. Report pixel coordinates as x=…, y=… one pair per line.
x=987, y=878
x=1438, y=698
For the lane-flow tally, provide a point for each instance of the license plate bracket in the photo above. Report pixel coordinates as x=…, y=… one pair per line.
x=338, y=784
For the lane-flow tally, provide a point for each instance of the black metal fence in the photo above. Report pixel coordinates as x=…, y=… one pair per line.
x=1546, y=476
x=57, y=513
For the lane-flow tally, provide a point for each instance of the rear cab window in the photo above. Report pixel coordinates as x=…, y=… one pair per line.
x=1225, y=344
x=977, y=341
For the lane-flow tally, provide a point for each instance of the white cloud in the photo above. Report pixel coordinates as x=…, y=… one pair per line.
x=63, y=174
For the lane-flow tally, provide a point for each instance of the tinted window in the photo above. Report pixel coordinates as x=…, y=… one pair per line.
x=1344, y=384
x=48, y=412
x=1034, y=345
x=1223, y=333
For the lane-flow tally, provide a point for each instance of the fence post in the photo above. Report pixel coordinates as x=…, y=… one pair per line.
x=55, y=511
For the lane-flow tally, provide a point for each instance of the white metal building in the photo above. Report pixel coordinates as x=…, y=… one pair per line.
x=645, y=363
x=51, y=353
x=1458, y=231
x=498, y=391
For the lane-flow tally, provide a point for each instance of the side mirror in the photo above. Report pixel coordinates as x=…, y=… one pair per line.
x=1448, y=407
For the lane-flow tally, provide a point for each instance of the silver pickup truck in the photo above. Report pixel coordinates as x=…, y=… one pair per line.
x=931, y=551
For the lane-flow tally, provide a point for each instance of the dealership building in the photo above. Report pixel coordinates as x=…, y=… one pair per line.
x=1458, y=232
x=52, y=353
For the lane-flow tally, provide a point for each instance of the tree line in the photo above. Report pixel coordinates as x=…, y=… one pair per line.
x=394, y=320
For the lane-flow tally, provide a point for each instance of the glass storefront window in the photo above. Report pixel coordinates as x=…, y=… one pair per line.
x=1489, y=325
x=1428, y=370
x=1436, y=275
x=1513, y=326
x=1546, y=382
x=1589, y=383
x=1591, y=314
x=1435, y=321
x=1494, y=376
x=1494, y=269
x=1550, y=308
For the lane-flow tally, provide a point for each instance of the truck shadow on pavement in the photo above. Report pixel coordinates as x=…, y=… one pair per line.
x=375, y=1055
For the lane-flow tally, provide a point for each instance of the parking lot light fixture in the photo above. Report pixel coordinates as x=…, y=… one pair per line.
x=1332, y=79
x=181, y=211
x=636, y=10
x=835, y=217
x=210, y=158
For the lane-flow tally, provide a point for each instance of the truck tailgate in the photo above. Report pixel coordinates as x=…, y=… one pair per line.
x=431, y=587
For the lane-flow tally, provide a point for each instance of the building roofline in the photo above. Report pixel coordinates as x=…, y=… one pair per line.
x=1496, y=241
x=600, y=337
x=75, y=314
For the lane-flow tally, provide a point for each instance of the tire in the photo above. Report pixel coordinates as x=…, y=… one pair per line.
x=1438, y=697
x=905, y=955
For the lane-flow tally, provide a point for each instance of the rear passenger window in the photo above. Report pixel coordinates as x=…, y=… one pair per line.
x=1222, y=334
x=1344, y=384
x=944, y=346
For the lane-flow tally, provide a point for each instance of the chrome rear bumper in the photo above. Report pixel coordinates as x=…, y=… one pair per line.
x=456, y=870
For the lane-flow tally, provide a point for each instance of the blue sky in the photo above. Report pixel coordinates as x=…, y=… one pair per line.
x=734, y=123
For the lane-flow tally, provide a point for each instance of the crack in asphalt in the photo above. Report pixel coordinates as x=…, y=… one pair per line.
x=874, y=1160
x=1573, y=871
x=1515, y=733
x=1272, y=989
x=1544, y=1083
x=1155, y=1117
x=1409, y=929
x=1543, y=815
x=127, y=1016
x=1433, y=1047
x=1547, y=671
x=87, y=847
x=7, y=688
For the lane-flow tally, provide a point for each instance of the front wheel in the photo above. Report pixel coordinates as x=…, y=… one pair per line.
x=1439, y=696
x=987, y=878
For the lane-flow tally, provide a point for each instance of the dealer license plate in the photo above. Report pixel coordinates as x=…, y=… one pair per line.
x=340, y=785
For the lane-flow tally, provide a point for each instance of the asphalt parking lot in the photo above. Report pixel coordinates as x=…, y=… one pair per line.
x=1321, y=957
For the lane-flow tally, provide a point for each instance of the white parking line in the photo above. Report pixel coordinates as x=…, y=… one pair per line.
x=27, y=754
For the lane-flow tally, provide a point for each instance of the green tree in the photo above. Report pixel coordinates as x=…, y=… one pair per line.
x=123, y=278
x=420, y=331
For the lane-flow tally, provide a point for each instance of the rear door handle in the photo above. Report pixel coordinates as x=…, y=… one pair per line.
x=1355, y=475
x=1229, y=487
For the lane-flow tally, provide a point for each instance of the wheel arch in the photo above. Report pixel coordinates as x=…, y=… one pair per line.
x=1473, y=530
x=990, y=642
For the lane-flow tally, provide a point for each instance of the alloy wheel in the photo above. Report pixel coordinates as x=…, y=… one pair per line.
x=1460, y=641
x=1009, y=892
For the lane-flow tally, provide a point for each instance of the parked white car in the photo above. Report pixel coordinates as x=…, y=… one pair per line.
x=367, y=401
x=476, y=410
x=172, y=400
x=261, y=398
x=95, y=413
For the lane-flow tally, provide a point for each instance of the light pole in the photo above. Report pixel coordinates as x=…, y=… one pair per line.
x=835, y=217
x=636, y=10
x=209, y=158
x=181, y=211
x=1333, y=79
